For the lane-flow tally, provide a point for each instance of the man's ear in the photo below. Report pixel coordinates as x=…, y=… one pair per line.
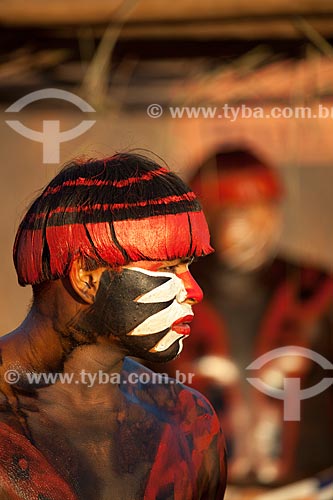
x=85, y=282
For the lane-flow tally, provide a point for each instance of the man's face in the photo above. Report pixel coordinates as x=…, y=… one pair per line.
x=146, y=307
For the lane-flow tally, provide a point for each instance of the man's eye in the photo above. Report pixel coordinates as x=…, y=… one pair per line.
x=169, y=269
x=179, y=267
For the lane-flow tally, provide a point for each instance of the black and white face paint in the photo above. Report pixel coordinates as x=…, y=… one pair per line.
x=174, y=317
x=144, y=310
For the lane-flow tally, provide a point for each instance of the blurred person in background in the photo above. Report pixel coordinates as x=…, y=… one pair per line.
x=256, y=302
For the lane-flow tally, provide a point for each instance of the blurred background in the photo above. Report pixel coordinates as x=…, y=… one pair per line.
x=260, y=158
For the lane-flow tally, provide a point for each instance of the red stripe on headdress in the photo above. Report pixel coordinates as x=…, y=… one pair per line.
x=100, y=234
x=65, y=243
x=163, y=237
x=81, y=181
x=159, y=201
x=115, y=206
x=30, y=250
x=200, y=234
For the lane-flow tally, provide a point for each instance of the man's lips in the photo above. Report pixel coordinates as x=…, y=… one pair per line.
x=182, y=326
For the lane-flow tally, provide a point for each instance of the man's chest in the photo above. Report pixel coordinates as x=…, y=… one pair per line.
x=134, y=451
x=99, y=452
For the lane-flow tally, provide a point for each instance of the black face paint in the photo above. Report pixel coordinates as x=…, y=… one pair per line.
x=116, y=312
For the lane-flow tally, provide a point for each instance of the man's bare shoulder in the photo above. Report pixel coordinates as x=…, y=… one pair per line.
x=173, y=399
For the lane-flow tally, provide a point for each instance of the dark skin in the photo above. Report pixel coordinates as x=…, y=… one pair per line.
x=80, y=424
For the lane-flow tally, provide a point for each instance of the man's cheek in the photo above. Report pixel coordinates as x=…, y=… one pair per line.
x=116, y=310
x=123, y=319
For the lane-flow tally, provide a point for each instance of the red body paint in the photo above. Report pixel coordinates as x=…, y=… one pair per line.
x=192, y=288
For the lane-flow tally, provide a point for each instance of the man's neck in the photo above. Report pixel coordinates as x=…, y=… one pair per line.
x=43, y=344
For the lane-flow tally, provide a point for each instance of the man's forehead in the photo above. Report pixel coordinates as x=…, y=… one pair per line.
x=156, y=264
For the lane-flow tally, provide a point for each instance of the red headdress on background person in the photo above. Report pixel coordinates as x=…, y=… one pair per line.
x=236, y=176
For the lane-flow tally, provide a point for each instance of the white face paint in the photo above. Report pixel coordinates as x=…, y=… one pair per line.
x=171, y=316
x=247, y=237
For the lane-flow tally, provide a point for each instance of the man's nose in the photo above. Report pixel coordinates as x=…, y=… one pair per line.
x=193, y=290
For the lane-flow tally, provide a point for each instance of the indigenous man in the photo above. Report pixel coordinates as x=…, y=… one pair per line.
x=106, y=247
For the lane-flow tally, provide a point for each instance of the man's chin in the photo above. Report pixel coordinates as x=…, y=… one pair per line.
x=159, y=356
x=152, y=347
